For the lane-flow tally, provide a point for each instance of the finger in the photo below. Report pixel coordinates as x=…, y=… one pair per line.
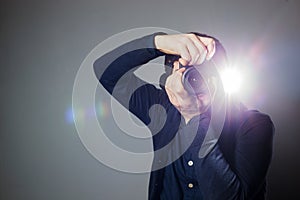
x=175, y=66
x=211, y=48
x=183, y=62
x=201, y=49
x=193, y=49
x=184, y=53
x=201, y=57
x=181, y=70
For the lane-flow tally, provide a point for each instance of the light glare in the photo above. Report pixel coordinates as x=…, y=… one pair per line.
x=232, y=80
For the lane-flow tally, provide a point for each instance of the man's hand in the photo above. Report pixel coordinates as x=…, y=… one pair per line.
x=192, y=49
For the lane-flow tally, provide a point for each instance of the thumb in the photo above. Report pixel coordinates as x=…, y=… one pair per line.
x=183, y=62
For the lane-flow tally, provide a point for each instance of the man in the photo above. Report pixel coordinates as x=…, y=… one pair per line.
x=235, y=167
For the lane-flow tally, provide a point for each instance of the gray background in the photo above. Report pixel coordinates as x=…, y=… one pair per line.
x=42, y=44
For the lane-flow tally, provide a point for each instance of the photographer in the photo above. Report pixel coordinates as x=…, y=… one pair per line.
x=236, y=166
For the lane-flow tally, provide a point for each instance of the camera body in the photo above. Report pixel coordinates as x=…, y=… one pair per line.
x=194, y=78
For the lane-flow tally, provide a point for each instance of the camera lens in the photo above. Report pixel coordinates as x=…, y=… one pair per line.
x=193, y=81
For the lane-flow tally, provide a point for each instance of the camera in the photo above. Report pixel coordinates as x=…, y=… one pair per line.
x=192, y=79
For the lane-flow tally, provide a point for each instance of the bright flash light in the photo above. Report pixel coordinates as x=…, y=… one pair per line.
x=232, y=80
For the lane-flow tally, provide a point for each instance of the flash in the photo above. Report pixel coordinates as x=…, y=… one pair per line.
x=232, y=80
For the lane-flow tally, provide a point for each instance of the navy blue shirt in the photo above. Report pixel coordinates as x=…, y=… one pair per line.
x=180, y=180
x=234, y=169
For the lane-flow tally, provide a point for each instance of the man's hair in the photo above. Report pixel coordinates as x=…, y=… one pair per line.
x=219, y=58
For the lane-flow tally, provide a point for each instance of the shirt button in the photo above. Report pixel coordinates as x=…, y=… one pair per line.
x=190, y=185
x=190, y=163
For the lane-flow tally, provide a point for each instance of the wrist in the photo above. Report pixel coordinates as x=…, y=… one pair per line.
x=158, y=39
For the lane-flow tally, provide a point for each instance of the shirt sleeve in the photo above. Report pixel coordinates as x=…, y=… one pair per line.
x=244, y=175
x=114, y=71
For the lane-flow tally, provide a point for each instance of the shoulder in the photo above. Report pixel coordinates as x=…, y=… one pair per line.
x=254, y=122
x=254, y=117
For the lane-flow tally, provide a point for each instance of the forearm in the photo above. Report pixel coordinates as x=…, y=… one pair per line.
x=112, y=66
x=115, y=72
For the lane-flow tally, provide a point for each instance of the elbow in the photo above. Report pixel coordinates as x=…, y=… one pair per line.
x=97, y=71
x=104, y=77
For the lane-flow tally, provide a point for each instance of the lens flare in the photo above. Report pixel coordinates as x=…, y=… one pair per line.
x=69, y=115
x=102, y=109
x=232, y=80
x=83, y=114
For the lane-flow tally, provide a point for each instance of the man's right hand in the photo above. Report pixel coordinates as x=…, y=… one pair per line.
x=192, y=49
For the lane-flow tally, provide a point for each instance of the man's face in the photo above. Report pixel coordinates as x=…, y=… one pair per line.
x=180, y=98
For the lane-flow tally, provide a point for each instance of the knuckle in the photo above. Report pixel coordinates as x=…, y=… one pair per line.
x=193, y=36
